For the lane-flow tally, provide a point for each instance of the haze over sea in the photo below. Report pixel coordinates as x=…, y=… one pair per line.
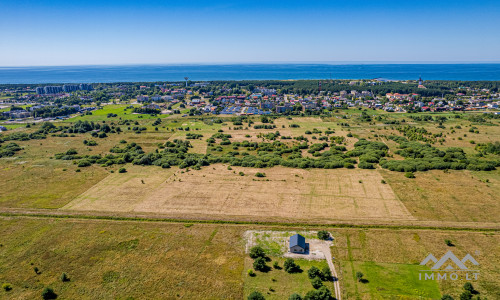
x=200, y=72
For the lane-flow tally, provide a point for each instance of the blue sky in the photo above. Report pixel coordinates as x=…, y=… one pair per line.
x=136, y=32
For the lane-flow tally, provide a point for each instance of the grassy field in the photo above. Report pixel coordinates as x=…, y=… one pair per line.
x=454, y=196
x=278, y=284
x=391, y=281
x=135, y=260
x=106, y=260
x=396, y=255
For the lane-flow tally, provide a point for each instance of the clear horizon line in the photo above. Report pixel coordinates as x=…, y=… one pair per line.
x=353, y=62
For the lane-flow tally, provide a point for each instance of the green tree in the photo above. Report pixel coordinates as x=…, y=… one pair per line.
x=257, y=251
x=466, y=295
x=326, y=273
x=48, y=294
x=468, y=287
x=313, y=272
x=320, y=294
x=316, y=282
x=290, y=266
x=259, y=264
x=323, y=235
x=64, y=277
x=256, y=296
x=359, y=276
x=295, y=297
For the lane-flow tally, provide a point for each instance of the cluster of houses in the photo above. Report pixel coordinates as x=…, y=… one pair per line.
x=30, y=112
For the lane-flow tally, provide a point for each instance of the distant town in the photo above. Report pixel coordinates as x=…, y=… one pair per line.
x=19, y=103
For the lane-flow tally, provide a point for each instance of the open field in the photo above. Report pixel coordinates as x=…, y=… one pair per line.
x=216, y=191
x=383, y=254
x=454, y=196
x=125, y=259
x=106, y=260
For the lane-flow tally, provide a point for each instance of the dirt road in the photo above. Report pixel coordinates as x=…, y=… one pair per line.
x=328, y=255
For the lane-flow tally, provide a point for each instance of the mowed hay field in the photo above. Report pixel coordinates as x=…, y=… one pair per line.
x=459, y=196
x=216, y=191
x=120, y=260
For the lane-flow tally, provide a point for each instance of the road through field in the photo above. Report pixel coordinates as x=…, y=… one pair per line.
x=326, y=251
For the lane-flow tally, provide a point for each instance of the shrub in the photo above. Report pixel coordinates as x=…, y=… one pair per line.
x=258, y=174
x=320, y=294
x=316, y=282
x=276, y=265
x=466, y=295
x=241, y=173
x=259, y=264
x=84, y=163
x=256, y=252
x=251, y=273
x=313, y=272
x=409, y=175
x=468, y=287
x=64, y=277
x=290, y=266
x=295, y=297
x=383, y=181
x=446, y=297
x=326, y=273
x=359, y=276
x=255, y=296
x=122, y=170
x=449, y=243
x=7, y=287
x=48, y=293
x=323, y=235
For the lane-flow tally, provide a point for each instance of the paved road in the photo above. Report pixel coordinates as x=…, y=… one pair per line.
x=326, y=251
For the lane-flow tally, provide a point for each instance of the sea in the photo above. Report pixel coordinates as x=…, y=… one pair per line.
x=282, y=71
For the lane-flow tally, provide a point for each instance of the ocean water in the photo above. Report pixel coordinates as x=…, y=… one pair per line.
x=137, y=73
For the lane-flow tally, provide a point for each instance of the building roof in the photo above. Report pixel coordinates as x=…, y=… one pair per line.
x=297, y=240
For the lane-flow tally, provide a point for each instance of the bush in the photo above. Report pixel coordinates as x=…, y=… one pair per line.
x=295, y=297
x=468, y=287
x=446, y=297
x=84, y=163
x=290, y=266
x=122, y=170
x=258, y=174
x=359, y=276
x=7, y=287
x=64, y=277
x=259, y=264
x=449, y=243
x=409, y=175
x=256, y=252
x=316, y=282
x=323, y=235
x=251, y=273
x=276, y=265
x=320, y=294
x=48, y=294
x=326, y=273
x=313, y=272
x=255, y=296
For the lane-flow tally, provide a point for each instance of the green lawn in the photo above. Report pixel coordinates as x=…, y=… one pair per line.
x=394, y=281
